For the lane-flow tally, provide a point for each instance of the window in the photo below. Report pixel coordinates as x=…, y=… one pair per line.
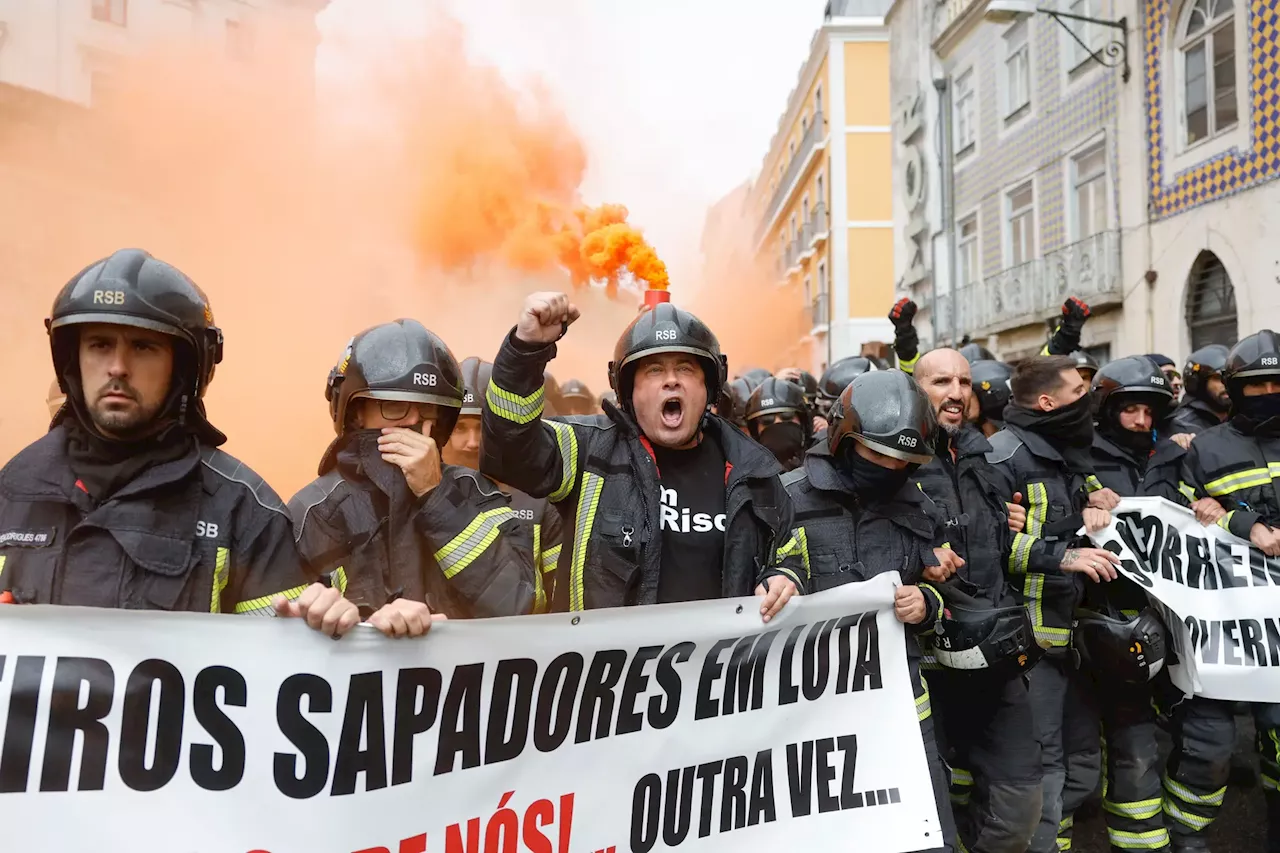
x=239, y=40
x=1017, y=72
x=111, y=11
x=967, y=252
x=1021, y=205
x=794, y=232
x=808, y=292
x=1211, y=303
x=820, y=189
x=1091, y=34
x=1208, y=51
x=822, y=278
x=966, y=113
x=1089, y=192
x=817, y=104
x=804, y=209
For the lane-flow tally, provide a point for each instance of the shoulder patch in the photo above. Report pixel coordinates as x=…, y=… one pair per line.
x=793, y=477
x=230, y=468
x=1003, y=445
x=312, y=495
x=483, y=484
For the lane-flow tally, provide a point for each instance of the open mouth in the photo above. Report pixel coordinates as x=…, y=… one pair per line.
x=953, y=409
x=672, y=413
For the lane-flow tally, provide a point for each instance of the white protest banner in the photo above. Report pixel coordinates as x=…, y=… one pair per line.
x=639, y=729
x=1221, y=596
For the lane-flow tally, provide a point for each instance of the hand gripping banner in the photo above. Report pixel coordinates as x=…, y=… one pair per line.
x=639, y=729
x=1220, y=595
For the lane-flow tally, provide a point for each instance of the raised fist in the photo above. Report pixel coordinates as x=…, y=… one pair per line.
x=1075, y=311
x=545, y=317
x=902, y=313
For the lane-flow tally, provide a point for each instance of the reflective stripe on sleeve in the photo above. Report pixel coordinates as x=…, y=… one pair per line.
x=908, y=365
x=1020, y=553
x=568, y=442
x=1093, y=484
x=797, y=545
x=588, y=502
x=339, y=579
x=1253, y=478
x=1187, y=492
x=539, y=591
x=513, y=407
x=262, y=606
x=463, y=549
x=219, y=580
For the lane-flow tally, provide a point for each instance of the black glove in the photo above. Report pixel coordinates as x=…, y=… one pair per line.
x=906, y=343
x=1066, y=339
x=1074, y=313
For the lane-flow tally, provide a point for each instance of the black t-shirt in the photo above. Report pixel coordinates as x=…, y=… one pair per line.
x=693, y=521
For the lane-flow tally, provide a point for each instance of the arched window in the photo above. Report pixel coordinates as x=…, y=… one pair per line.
x=1211, y=303
x=1207, y=46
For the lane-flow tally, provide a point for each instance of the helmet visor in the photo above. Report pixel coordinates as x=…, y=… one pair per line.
x=882, y=444
x=88, y=318
x=397, y=395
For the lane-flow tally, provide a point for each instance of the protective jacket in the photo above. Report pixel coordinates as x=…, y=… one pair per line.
x=1194, y=416
x=600, y=474
x=200, y=533
x=461, y=548
x=548, y=542
x=1055, y=493
x=1238, y=465
x=837, y=538
x=976, y=522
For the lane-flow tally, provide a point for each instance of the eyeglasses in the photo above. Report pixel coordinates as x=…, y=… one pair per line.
x=395, y=410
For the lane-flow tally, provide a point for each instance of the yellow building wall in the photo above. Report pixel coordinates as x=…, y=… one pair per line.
x=869, y=182
x=779, y=158
x=870, y=271
x=866, y=83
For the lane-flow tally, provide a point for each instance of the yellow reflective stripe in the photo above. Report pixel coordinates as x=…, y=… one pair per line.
x=262, y=606
x=2, y=559
x=928, y=589
x=923, y=709
x=1251, y=479
x=1020, y=553
x=539, y=591
x=961, y=777
x=1185, y=794
x=550, y=559
x=219, y=579
x=1093, y=484
x=339, y=580
x=588, y=502
x=797, y=545
x=1067, y=823
x=1045, y=350
x=512, y=406
x=1032, y=591
x=908, y=365
x=463, y=549
x=1141, y=809
x=1268, y=783
x=568, y=442
x=1187, y=492
x=1190, y=819
x=1152, y=839
x=1225, y=521
x=1037, y=508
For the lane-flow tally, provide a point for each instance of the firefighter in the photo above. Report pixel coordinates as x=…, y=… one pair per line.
x=399, y=532
x=1207, y=402
x=1086, y=365
x=1042, y=454
x=906, y=342
x=127, y=502
x=665, y=501
x=984, y=713
x=991, y=394
x=836, y=378
x=464, y=449
x=1229, y=471
x=732, y=403
x=1170, y=371
x=1131, y=397
x=863, y=517
x=778, y=418
x=576, y=399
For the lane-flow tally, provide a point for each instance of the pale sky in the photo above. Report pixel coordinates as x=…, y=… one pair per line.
x=677, y=100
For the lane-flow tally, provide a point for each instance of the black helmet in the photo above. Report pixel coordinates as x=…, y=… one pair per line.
x=976, y=352
x=1136, y=379
x=991, y=385
x=475, y=384
x=132, y=288
x=576, y=391
x=1130, y=648
x=974, y=636
x=665, y=328
x=609, y=397
x=397, y=361
x=1202, y=365
x=809, y=383
x=837, y=377
x=1162, y=361
x=550, y=393
x=776, y=396
x=755, y=376
x=1254, y=357
x=1084, y=361
x=732, y=402
x=888, y=412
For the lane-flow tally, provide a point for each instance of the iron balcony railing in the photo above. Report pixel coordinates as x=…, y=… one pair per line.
x=818, y=311
x=1034, y=291
x=818, y=222
x=817, y=130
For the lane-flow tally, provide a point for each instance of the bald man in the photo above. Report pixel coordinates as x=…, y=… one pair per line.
x=987, y=730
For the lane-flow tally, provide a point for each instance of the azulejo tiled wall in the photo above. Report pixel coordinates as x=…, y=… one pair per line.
x=1238, y=169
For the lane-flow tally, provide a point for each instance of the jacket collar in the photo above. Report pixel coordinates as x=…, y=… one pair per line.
x=969, y=441
x=1035, y=443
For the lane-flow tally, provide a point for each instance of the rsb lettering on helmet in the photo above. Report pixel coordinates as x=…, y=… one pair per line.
x=907, y=441
x=665, y=334
x=1270, y=360
x=768, y=402
x=427, y=379
x=1157, y=380
x=108, y=297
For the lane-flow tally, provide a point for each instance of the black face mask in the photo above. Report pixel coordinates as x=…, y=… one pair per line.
x=1137, y=443
x=360, y=455
x=785, y=440
x=1261, y=408
x=1069, y=426
x=871, y=481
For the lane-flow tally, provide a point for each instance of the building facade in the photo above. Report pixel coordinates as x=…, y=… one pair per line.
x=1201, y=154
x=1017, y=122
x=821, y=203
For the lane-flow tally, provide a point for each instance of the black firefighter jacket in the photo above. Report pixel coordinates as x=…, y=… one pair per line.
x=460, y=548
x=598, y=472
x=1193, y=417
x=976, y=522
x=1159, y=477
x=1055, y=493
x=1238, y=466
x=202, y=533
